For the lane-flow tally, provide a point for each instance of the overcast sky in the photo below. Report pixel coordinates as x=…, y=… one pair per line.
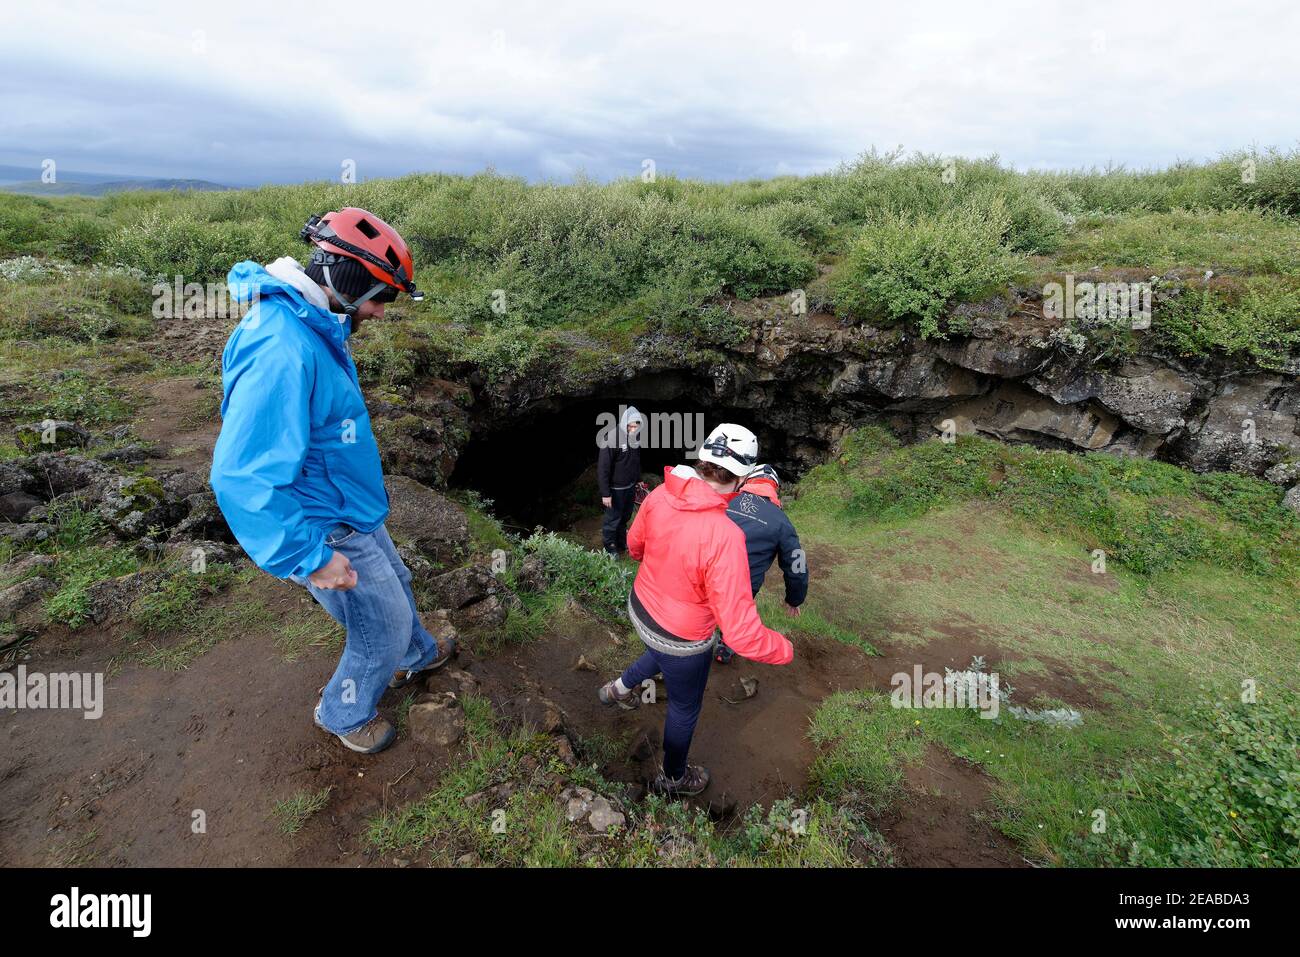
x=252, y=92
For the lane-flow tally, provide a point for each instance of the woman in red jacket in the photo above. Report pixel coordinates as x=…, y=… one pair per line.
x=693, y=579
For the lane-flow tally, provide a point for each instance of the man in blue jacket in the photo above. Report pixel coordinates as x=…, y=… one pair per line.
x=296, y=469
x=769, y=536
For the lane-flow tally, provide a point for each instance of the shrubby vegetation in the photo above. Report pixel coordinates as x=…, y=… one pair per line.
x=905, y=266
x=1230, y=797
x=600, y=581
x=905, y=238
x=1256, y=319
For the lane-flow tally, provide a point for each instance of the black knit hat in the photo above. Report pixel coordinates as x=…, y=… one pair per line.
x=350, y=277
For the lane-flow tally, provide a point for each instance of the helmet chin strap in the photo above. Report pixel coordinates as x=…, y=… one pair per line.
x=350, y=307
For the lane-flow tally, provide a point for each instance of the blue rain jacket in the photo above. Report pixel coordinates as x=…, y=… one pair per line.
x=296, y=455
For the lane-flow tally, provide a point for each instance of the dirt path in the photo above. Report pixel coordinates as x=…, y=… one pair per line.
x=228, y=736
x=175, y=418
x=231, y=735
x=757, y=749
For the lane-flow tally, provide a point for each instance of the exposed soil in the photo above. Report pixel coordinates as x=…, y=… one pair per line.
x=756, y=749
x=963, y=641
x=174, y=418
x=232, y=734
x=940, y=824
x=229, y=736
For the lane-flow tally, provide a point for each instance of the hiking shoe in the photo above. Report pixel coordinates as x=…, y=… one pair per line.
x=695, y=780
x=371, y=738
x=608, y=695
x=447, y=648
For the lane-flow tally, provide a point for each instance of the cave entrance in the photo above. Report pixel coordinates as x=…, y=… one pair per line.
x=540, y=468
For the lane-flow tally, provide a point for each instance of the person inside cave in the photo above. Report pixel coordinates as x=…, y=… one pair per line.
x=618, y=471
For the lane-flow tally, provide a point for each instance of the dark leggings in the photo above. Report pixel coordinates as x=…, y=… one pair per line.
x=685, y=678
x=613, y=530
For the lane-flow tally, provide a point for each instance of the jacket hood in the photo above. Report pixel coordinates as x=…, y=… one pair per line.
x=250, y=281
x=630, y=414
x=688, y=492
x=764, y=487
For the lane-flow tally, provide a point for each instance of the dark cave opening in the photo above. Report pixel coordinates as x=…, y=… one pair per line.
x=539, y=469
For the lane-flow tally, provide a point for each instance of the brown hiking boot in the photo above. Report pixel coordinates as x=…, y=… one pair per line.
x=695, y=780
x=371, y=738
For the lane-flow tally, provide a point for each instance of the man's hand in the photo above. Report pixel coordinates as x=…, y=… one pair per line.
x=794, y=611
x=607, y=501
x=337, y=573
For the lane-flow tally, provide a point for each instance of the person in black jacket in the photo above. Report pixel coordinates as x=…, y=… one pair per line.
x=769, y=536
x=618, y=470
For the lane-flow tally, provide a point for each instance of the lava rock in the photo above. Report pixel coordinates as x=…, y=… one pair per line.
x=25, y=565
x=59, y=473
x=1154, y=398
x=465, y=586
x=31, y=436
x=17, y=597
x=487, y=614
x=112, y=598
x=532, y=576
x=16, y=477
x=181, y=485
x=203, y=519
x=132, y=454
x=26, y=532
x=1220, y=441
x=436, y=721
x=1284, y=473
x=134, y=506
x=428, y=520
x=464, y=682
x=583, y=804
x=18, y=506
x=213, y=552
x=1292, y=499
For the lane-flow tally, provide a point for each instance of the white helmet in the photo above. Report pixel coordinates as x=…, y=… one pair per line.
x=733, y=447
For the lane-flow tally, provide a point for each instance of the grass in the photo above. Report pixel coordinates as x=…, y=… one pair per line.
x=293, y=813
x=863, y=745
x=1244, y=240
x=1148, y=515
x=1153, y=645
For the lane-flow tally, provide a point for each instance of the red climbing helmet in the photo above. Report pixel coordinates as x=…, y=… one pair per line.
x=361, y=235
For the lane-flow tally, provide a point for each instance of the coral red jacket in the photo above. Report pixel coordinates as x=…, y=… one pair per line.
x=694, y=573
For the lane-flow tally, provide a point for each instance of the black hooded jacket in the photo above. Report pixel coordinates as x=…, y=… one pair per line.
x=619, y=465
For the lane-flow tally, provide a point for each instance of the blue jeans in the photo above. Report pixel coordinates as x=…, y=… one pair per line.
x=685, y=678
x=384, y=630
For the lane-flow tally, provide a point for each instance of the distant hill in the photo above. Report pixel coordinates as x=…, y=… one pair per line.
x=82, y=188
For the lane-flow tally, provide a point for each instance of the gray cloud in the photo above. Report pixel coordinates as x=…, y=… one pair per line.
x=712, y=91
